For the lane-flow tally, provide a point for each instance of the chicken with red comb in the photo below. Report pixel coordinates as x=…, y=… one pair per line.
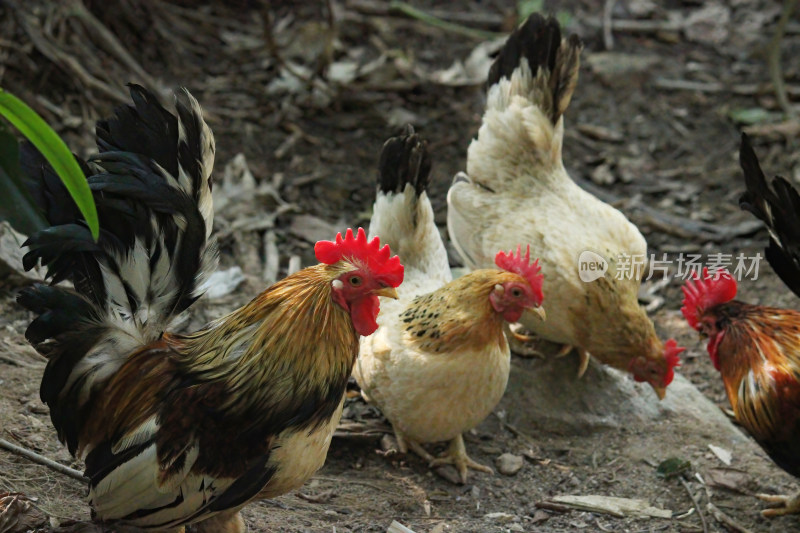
x=371, y=263
x=757, y=348
x=516, y=190
x=439, y=362
x=178, y=429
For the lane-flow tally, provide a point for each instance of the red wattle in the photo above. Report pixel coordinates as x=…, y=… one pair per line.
x=713, y=345
x=363, y=313
x=512, y=314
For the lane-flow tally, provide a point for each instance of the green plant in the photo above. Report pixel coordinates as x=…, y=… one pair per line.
x=16, y=205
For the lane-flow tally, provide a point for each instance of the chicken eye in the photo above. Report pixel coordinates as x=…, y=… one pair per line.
x=356, y=281
x=516, y=292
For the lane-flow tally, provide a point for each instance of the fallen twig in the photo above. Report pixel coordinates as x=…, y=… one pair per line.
x=397, y=527
x=529, y=441
x=725, y=520
x=608, y=36
x=637, y=26
x=352, y=430
x=711, y=87
x=98, y=30
x=271, y=257
x=774, y=59
x=42, y=460
x=788, y=129
x=412, y=12
x=552, y=506
x=486, y=21
x=695, y=503
x=611, y=505
x=61, y=58
x=322, y=497
x=359, y=482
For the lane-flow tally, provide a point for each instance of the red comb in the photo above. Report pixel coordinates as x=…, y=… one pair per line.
x=671, y=353
x=522, y=265
x=367, y=253
x=701, y=293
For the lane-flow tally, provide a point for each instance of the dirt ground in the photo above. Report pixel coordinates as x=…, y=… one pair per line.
x=653, y=127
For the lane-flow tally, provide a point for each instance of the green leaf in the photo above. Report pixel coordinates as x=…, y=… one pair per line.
x=753, y=115
x=47, y=141
x=16, y=204
x=673, y=467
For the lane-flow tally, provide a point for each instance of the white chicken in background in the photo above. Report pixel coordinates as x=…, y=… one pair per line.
x=516, y=190
x=439, y=362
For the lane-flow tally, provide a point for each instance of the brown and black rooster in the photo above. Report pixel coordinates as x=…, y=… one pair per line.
x=757, y=348
x=182, y=428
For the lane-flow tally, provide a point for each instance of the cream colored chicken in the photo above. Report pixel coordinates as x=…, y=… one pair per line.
x=439, y=362
x=516, y=190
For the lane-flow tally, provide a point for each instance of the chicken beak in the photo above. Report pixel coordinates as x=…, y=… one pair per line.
x=660, y=392
x=540, y=312
x=387, y=292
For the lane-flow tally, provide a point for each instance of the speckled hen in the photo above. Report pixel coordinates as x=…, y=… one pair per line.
x=439, y=362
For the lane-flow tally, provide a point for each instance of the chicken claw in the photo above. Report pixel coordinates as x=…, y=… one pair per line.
x=781, y=504
x=522, y=345
x=456, y=455
x=565, y=349
x=583, y=361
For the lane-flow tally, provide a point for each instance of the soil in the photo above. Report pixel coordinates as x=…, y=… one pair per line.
x=666, y=156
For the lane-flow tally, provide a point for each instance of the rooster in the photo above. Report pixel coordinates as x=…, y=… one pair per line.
x=182, y=428
x=516, y=190
x=756, y=348
x=439, y=362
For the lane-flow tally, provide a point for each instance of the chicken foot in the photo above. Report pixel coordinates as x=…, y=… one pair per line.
x=583, y=361
x=404, y=444
x=525, y=346
x=522, y=345
x=781, y=504
x=456, y=455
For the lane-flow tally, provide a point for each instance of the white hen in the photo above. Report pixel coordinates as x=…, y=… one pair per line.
x=516, y=190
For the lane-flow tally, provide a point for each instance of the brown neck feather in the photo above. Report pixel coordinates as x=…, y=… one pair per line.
x=458, y=315
x=292, y=327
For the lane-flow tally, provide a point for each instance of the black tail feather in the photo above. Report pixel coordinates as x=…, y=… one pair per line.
x=136, y=186
x=151, y=186
x=778, y=206
x=404, y=159
x=47, y=189
x=66, y=328
x=537, y=40
x=142, y=128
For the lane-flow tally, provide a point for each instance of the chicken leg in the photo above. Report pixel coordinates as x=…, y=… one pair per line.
x=456, y=455
x=782, y=504
x=404, y=443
